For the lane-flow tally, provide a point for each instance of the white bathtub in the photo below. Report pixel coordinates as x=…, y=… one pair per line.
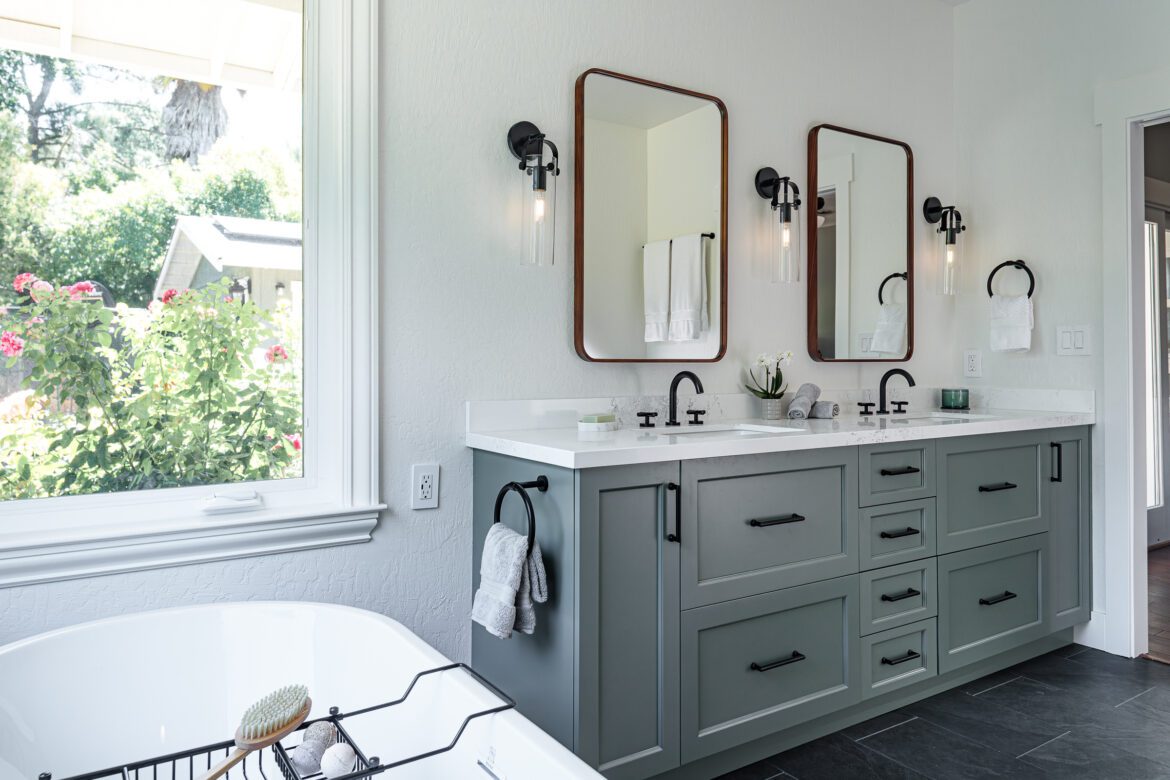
x=119, y=690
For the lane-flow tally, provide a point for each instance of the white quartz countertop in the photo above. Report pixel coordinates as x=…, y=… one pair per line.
x=568, y=448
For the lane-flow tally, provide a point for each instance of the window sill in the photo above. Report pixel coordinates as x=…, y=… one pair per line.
x=58, y=556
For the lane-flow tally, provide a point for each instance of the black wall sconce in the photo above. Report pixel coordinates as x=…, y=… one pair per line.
x=526, y=143
x=950, y=249
x=784, y=230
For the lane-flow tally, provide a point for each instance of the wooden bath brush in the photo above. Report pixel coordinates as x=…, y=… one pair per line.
x=264, y=723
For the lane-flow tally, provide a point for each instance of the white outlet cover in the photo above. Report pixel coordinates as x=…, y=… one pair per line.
x=424, y=486
x=973, y=363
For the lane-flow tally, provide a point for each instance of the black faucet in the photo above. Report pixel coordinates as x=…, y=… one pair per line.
x=882, y=389
x=672, y=418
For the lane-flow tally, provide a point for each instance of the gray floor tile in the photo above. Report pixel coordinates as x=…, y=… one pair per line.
x=939, y=753
x=1106, y=685
x=1076, y=755
x=880, y=723
x=761, y=770
x=836, y=757
x=1000, y=728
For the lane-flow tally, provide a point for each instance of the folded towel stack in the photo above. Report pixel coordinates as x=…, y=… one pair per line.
x=1011, y=323
x=802, y=402
x=510, y=580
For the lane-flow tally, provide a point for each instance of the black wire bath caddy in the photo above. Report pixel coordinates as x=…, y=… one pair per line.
x=193, y=763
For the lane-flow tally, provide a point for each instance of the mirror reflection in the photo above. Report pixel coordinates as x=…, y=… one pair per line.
x=860, y=294
x=651, y=214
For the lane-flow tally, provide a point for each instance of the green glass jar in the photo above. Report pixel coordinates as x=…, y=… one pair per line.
x=956, y=398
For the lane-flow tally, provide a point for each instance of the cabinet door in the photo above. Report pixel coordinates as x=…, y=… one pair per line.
x=756, y=523
x=628, y=674
x=1069, y=535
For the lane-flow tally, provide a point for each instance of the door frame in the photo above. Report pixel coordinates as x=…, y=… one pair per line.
x=1159, y=215
x=1120, y=619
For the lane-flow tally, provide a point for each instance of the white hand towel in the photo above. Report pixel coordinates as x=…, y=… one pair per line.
x=1011, y=323
x=889, y=336
x=656, y=288
x=688, y=288
x=500, y=573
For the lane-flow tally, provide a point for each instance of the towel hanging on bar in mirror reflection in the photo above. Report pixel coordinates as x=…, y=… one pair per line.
x=675, y=288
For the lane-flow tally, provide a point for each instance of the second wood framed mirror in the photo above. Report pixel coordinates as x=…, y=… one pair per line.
x=860, y=247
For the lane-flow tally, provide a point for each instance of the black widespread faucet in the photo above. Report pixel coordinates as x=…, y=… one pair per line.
x=672, y=418
x=882, y=389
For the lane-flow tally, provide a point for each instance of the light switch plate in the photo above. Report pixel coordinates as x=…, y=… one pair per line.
x=1074, y=340
x=973, y=363
x=864, y=342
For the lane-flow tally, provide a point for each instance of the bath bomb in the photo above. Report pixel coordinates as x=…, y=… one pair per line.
x=318, y=737
x=338, y=760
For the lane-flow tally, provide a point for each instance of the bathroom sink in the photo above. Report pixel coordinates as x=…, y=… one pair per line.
x=738, y=429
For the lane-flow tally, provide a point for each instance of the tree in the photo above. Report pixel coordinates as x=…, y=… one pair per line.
x=193, y=120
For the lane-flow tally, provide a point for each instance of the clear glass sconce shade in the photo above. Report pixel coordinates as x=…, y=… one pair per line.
x=785, y=245
x=950, y=261
x=539, y=221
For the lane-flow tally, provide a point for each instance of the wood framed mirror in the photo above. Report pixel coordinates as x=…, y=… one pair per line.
x=860, y=208
x=650, y=221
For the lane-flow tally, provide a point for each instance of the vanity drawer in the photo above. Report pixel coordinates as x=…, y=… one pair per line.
x=990, y=489
x=895, y=533
x=992, y=599
x=898, y=595
x=759, y=523
x=901, y=471
x=899, y=657
x=755, y=666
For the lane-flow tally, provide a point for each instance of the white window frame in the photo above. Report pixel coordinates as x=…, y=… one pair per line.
x=336, y=502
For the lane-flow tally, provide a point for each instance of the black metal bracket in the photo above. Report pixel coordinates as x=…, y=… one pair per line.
x=904, y=275
x=1020, y=264
x=526, y=143
x=770, y=185
x=522, y=488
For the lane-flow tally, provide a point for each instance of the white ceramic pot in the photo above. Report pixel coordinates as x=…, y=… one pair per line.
x=772, y=410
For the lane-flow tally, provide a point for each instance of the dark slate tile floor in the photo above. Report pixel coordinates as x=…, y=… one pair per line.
x=1074, y=713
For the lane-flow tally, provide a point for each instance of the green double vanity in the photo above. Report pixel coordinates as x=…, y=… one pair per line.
x=710, y=611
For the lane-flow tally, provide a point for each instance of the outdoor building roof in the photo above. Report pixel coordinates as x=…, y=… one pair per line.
x=228, y=242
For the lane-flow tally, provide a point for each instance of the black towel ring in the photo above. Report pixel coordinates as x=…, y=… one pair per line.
x=1014, y=264
x=541, y=484
x=882, y=286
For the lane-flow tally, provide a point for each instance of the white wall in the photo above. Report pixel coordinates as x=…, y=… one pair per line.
x=1029, y=184
x=462, y=319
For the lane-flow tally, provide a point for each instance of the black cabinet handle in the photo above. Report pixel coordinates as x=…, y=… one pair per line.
x=755, y=667
x=1007, y=595
x=899, y=534
x=675, y=537
x=900, y=472
x=1059, y=475
x=910, y=656
x=997, y=488
x=766, y=522
x=910, y=593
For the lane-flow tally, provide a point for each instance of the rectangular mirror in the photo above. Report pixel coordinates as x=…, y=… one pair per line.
x=860, y=246
x=650, y=221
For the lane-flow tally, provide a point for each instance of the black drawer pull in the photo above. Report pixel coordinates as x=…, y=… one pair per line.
x=997, y=488
x=899, y=534
x=910, y=593
x=1007, y=595
x=910, y=656
x=900, y=472
x=755, y=667
x=1059, y=475
x=765, y=522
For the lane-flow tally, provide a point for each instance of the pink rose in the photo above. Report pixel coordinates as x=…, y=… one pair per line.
x=22, y=282
x=295, y=440
x=275, y=353
x=80, y=290
x=170, y=295
x=40, y=289
x=12, y=345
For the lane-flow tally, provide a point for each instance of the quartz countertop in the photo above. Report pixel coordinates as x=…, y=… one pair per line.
x=724, y=438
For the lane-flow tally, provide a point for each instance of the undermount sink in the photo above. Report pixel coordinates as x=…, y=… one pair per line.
x=739, y=429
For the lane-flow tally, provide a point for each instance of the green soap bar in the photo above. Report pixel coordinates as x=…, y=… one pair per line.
x=600, y=417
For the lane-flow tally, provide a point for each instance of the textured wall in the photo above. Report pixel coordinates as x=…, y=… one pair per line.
x=462, y=320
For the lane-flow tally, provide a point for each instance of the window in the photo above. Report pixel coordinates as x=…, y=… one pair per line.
x=161, y=376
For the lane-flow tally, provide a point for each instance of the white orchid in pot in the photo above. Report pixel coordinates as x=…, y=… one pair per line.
x=766, y=381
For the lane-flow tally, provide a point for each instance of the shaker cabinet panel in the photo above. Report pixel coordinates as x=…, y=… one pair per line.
x=629, y=613
x=896, y=533
x=901, y=471
x=757, y=523
x=1069, y=532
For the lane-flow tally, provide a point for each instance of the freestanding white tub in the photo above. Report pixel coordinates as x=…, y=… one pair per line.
x=115, y=691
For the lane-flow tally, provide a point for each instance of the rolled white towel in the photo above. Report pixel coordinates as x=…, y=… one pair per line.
x=825, y=410
x=802, y=402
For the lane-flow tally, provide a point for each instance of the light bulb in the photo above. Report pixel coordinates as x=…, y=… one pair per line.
x=538, y=206
x=786, y=235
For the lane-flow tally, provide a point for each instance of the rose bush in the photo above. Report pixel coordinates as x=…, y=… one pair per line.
x=186, y=392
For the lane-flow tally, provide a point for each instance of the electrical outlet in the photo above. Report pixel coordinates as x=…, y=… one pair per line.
x=973, y=363
x=424, y=486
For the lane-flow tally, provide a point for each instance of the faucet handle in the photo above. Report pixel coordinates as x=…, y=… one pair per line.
x=646, y=422
x=900, y=406
x=866, y=407
x=695, y=415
